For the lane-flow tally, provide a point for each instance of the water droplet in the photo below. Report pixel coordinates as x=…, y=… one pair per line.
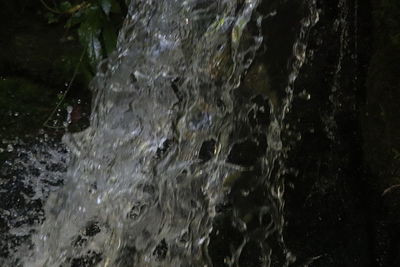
x=304, y=95
x=201, y=241
x=228, y=261
x=245, y=193
x=306, y=22
x=10, y=148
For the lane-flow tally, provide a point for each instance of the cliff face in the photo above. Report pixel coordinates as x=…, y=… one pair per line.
x=348, y=182
x=381, y=128
x=380, y=118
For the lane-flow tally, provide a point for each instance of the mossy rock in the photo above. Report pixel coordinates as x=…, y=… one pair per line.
x=380, y=120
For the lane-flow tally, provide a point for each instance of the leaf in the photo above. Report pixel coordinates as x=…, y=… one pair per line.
x=109, y=37
x=51, y=18
x=89, y=34
x=94, y=17
x=89, y=38
x=65, y=6
x=74, y=20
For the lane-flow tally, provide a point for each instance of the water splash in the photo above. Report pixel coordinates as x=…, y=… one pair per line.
x=32, y=170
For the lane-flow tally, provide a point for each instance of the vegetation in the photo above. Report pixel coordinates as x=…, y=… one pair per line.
x=94, y=22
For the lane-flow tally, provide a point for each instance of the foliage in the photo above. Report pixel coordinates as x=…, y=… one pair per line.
x=95, y=22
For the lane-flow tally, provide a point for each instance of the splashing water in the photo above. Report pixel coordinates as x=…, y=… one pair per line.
x=182, y=164
x=33, y=170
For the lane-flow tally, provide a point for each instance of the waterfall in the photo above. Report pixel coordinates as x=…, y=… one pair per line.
x=183, y=163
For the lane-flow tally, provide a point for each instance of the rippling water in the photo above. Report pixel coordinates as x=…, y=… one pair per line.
x=183, y=162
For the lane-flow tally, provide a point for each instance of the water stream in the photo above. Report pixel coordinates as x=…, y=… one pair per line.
x=183, y=163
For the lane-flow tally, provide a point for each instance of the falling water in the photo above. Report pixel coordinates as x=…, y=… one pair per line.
x=183, y=162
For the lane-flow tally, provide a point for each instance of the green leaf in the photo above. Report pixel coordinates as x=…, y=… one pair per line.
x=94, y=17
x=89, y=38
x=109, y=37
x=51, y=18
x=89, y=33
x=74, y=20
x=65, y=6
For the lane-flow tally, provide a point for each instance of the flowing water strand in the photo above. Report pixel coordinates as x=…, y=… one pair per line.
x=176, y=150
